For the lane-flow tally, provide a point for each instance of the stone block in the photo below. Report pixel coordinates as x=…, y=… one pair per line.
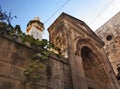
x=5, y=68
x=66, y=68
x=57, y=84
x=22, y=56
x=67, y=85
x=5, y=44
x=16, y=47
x=67, y=76
x=17, y=73
x=20, y=60
x=5, y=54
x=43, y=80
x=6, y=83
x=17, y=59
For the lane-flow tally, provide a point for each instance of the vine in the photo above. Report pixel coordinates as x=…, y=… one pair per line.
x=42, y=47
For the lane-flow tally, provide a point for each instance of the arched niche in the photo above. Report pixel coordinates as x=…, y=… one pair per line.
x=90, y=63
x=93, y=64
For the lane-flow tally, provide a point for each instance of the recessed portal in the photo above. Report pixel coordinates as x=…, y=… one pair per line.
x=93, y=70
x=90, y=62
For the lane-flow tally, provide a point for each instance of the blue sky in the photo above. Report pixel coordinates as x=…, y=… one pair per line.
x=85, y=10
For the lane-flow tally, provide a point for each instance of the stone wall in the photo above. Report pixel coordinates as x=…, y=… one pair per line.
x=16, y=57
x=110, y=34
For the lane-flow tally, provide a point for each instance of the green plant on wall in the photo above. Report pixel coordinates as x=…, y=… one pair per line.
x=42, y=47
x=41, y=55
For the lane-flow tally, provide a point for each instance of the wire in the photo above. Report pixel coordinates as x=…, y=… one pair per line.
x=56, y=11
x=101, y=12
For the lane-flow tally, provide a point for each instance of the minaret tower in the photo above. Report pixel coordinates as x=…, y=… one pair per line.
x=35, y=28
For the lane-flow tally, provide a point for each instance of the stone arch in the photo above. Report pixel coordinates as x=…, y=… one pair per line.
x=93, y=65
x=90, y=63
x=80, y=42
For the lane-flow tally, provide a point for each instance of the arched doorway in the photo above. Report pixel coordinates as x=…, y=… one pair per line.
x=94, y=72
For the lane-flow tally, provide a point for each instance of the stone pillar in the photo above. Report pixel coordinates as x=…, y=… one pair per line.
x=77, y=72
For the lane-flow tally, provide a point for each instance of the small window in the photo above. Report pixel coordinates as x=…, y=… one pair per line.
x=109, y=37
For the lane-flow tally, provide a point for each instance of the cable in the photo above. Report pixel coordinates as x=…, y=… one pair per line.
x=101, y=12
x=56, y=11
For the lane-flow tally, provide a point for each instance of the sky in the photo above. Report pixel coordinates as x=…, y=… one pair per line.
x=93, y=12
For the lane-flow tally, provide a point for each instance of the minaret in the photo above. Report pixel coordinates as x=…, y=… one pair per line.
x=35, y=28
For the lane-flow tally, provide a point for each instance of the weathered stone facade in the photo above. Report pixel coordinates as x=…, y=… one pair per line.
x=16, y=57
x=110, y=34
x=90, y=67
x=85, y=65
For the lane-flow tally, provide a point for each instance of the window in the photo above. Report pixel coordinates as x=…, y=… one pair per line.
x=109, y=37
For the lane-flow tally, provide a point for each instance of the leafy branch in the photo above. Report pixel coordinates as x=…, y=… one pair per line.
x=4, y=17
x=43, y=48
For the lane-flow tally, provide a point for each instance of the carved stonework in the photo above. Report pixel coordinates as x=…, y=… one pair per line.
x=88, y=63
x=110, y=34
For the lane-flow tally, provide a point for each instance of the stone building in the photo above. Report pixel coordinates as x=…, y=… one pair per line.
x=109, y=33
x=35, y=28
x=85, y=65
x=89, y=65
